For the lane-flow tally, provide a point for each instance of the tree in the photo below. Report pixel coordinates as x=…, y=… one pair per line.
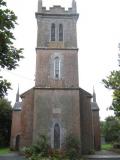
x=9, y=55
x=113, y=82
x=111, y=129
x=5, y=122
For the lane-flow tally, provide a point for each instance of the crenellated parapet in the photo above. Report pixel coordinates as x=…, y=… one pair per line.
x=57, y=10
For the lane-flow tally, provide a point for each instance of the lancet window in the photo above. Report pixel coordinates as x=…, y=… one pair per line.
x=56, y=136
x=57, y=67
x=60, y=32
x=53, y=32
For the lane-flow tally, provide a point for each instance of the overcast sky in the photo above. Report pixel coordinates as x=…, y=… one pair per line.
x=98, y=35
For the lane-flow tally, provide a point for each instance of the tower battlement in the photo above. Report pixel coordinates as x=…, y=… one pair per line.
x=57, y=10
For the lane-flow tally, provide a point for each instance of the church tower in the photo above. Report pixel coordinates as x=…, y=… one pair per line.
x=57, y=90
x=56, y=107
x=56, y=52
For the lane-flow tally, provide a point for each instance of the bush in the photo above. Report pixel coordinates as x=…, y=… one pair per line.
x=72, y=148
x=37, y=157
x=41, y=146
x=28, y=151
x=111, y=129
x=56, y=155
x=40, y=149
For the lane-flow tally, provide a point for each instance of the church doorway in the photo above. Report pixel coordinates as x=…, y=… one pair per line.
x=56, y=136
x=17, y=142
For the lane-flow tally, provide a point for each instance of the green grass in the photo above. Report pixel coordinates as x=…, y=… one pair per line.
x=4, y=151
x=106, y=146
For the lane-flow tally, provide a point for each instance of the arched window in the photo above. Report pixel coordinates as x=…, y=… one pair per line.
x=53, y=32
x=57, y=67
x=56, y=136
x=60, y=32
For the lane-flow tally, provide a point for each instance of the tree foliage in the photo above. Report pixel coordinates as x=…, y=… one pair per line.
x=9, y=55
x=111, y=129
x=113, y=82
x=5, y=122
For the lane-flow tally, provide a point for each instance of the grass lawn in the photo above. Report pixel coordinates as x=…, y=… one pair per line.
x=106, y=146
x=4, y=151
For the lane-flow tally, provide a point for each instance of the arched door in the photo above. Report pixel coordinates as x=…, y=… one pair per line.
x=17, y=142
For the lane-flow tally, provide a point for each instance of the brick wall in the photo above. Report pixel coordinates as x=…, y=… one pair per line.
x=86, y=122
x=15, y=128
x=27, y=118
x=96, y=126
x=44, y=69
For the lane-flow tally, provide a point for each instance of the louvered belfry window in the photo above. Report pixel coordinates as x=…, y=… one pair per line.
x=60, y=32
x=53, y=32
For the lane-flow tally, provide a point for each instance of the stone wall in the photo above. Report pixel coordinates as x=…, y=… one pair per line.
x=68, y=21
x=57, y=10
x=56, y=106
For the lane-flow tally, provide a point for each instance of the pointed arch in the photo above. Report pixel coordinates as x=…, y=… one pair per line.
x=57, y=67
x=60, y=32
x=56, y=125
x=17, y=142
x=53, y=32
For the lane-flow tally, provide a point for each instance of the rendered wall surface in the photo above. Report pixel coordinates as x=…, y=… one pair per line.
x=57, y=15
x=56, y=106
x=45, y=68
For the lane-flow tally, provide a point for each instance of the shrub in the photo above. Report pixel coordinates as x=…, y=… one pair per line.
x=72, y=148
x=28, y=151
x=56, y=155
x=37, y=157
x=40, y=149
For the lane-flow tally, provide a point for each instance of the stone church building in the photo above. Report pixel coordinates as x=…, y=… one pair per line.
x=56, y=107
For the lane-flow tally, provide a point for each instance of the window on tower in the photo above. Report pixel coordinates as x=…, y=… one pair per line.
x=56, y=136
x=60, y=32
x=57, y=67
x=53, y=32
